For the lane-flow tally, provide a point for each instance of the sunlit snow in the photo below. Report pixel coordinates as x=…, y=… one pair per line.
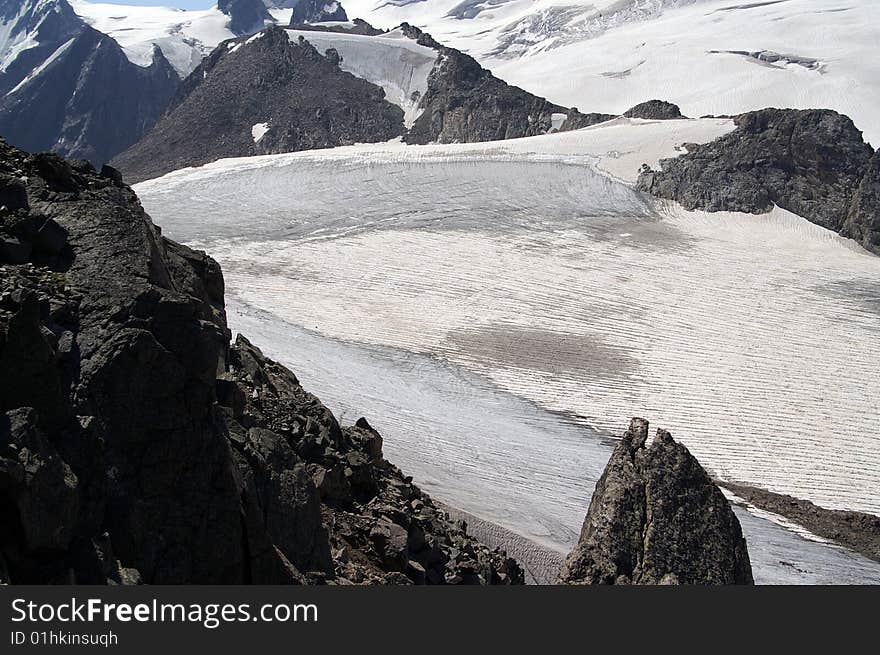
x=608, y=55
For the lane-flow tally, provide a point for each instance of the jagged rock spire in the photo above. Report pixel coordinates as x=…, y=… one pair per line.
x=657, y=518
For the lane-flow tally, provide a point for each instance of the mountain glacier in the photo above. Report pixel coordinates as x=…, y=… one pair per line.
x=529, y=271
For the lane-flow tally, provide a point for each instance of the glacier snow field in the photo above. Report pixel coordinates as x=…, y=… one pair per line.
x=499, y=310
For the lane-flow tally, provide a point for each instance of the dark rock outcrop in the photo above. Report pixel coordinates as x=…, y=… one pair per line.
x=245, y=16
x=77, y=93
x=357, y=26
x=810, y=162
x=137, y=445
x=304, y=99
x=575, y=120
x=313, y=11
x=863, y=221
x=466, y=103
x=657, y=518
x=656, y=110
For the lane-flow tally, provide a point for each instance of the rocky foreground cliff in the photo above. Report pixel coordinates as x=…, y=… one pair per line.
x=138, y=445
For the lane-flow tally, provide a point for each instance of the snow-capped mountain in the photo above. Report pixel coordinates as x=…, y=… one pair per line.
x=67, y=87
x=708, y=56
x=186, y=37
x=32, y=33
x=262, y=94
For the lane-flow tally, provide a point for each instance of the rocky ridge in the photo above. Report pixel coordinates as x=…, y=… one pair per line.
x=813, y=163
x=137, y=444
x=657, y=518
x=304, y=100
x=465, y=103
x=262, y=95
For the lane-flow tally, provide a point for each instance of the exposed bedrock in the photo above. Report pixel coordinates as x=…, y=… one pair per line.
x=657, y=518
x=654, y=110
x=811, y=162
x=295, y=97
x=245, y=16
x=137, y=444
x=467, y=103
x=313, y=11
x=863, y=221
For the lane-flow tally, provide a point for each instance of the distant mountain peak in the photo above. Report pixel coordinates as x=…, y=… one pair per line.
x=312, y=11
x=67, y=87
x=246, y=16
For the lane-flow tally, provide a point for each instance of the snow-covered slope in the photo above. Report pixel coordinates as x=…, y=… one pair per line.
x=184, y=36
x=33, y=33
x=67, y=87
x=708, y=56
x=396, y=63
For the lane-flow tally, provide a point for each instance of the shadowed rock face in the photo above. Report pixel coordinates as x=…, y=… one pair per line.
x=76, y=92
x=863, y=221
x=655, y=110
x=810, y=162
x=465, y=103
x=302, y=98
x=313, y=11
x=245, y=16
x=137, y=444
x=657, y=518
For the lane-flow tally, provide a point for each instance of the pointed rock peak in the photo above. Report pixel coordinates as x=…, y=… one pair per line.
x=637, y=434
x=657, y=517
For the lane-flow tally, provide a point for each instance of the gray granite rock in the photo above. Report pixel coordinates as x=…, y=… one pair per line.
x=810, y=162
x=657, y=518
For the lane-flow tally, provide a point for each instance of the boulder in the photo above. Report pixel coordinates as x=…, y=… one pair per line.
x=13, y=193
